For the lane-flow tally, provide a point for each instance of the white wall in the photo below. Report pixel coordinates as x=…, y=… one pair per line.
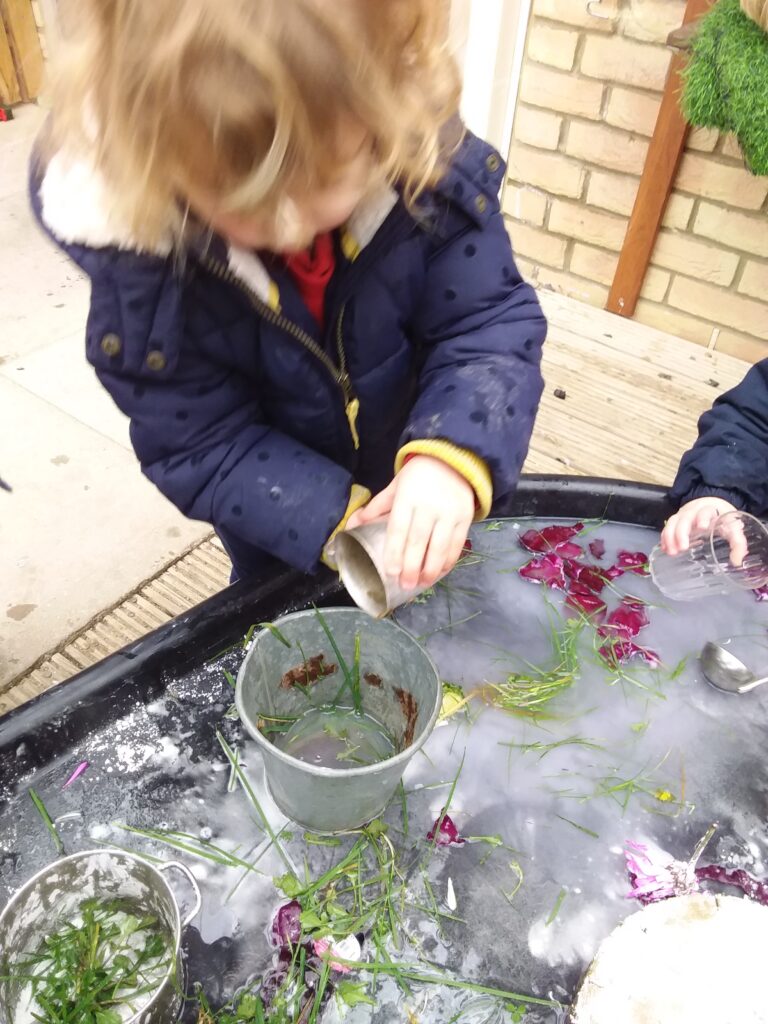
x=488, y=37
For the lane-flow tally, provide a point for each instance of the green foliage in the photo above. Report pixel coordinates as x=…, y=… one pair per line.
x=85, y=970
x=527, y=693
x=352, y=993
x=726, y=80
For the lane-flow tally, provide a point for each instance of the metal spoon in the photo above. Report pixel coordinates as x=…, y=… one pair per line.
x=726, y=672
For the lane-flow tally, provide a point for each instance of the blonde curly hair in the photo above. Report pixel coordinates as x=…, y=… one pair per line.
x=757, y=10
x=239, y=98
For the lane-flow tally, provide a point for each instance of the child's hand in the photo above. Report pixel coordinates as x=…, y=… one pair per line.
x=698, y=514
x=430, y=508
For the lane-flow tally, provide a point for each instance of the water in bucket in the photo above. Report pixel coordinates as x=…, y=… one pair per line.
x=337, y=737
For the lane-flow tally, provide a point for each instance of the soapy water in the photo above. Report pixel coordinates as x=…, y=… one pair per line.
x=649, y=755
x=336, y=737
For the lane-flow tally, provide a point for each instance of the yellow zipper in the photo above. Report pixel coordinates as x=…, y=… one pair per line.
x=339, y=373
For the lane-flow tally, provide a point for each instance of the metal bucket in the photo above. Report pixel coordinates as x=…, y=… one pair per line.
x=403, y=694
x=53, y=897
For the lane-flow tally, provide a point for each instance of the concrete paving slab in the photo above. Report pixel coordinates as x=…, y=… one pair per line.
x=16, y=139
x=45, y=297
x=81, y=529
x=61, y=375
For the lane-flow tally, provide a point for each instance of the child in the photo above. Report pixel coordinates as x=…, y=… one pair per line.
x=303, y=293
x=727, y=468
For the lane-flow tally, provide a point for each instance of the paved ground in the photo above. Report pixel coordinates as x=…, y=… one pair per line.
x=82, y=528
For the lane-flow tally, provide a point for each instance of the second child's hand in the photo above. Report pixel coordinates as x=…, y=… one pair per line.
x=694, y=517
x=430, y=508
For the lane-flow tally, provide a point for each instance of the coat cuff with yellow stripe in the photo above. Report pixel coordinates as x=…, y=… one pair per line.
x=358, y=497
x=466, y=463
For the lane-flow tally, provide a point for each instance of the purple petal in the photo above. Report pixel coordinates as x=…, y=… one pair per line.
x=569, y=550
x=448, y=833
x=626, y=621
x=612, y=572
x=286, y=926
x=547, y=569
x=655, y=875
x=633, y=561
x=619, y=651
x=761, y=593
x=751, y=887
x=587, y=575
x=597, y=548
x=553, y=538
x=584, y=600
x=76, y=773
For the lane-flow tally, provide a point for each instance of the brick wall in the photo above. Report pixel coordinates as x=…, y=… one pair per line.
x=589, y=96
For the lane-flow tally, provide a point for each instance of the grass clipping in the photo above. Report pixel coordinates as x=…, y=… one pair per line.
x=726, y=80
x=527, y=693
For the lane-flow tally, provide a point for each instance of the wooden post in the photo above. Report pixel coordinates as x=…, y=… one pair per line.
x=21, y=37
x=9, y=83
x=661, y=165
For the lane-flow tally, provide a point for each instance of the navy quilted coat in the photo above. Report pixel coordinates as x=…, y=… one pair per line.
x=730, y=457
x=238, y=414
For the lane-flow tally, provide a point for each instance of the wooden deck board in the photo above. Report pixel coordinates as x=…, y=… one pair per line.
x=635, y=340
x=633, y=395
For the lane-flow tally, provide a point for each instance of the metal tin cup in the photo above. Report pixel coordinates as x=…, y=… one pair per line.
x=400, y=689
x=359, y=556
x=53, y=897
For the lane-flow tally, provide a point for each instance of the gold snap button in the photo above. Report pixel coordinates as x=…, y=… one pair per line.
x=481, y=204
x=156, y=360
x=493, y=163
x=111, y=345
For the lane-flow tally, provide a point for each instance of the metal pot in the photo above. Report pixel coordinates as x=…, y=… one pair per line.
x=405, y=700
x=53, y=896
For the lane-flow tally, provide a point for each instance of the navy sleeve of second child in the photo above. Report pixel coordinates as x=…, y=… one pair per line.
x=730, y=457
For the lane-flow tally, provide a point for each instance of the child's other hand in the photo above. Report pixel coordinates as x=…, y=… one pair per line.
x=698, y=514
x=430, y=508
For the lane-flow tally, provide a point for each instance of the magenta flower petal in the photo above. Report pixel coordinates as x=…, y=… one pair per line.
x=76, y=773
x=633, y=561
x=286, y=926
x=626, y=621
x=597, y=548
x=620, y=651
x=447, y=835
x=569, y=550
x=552, y=538
x=547, y=569
x=751, y=887
x=584, y=600
x=531, y=540
x=587, y=575
x=655, y=875
x=761, y=593
x=612, y=572
x=467, y=546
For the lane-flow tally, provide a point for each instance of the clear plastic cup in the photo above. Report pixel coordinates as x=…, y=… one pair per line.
x=731, y=554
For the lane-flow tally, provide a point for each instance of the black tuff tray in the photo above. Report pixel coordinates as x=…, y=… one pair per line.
x=43, y=739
